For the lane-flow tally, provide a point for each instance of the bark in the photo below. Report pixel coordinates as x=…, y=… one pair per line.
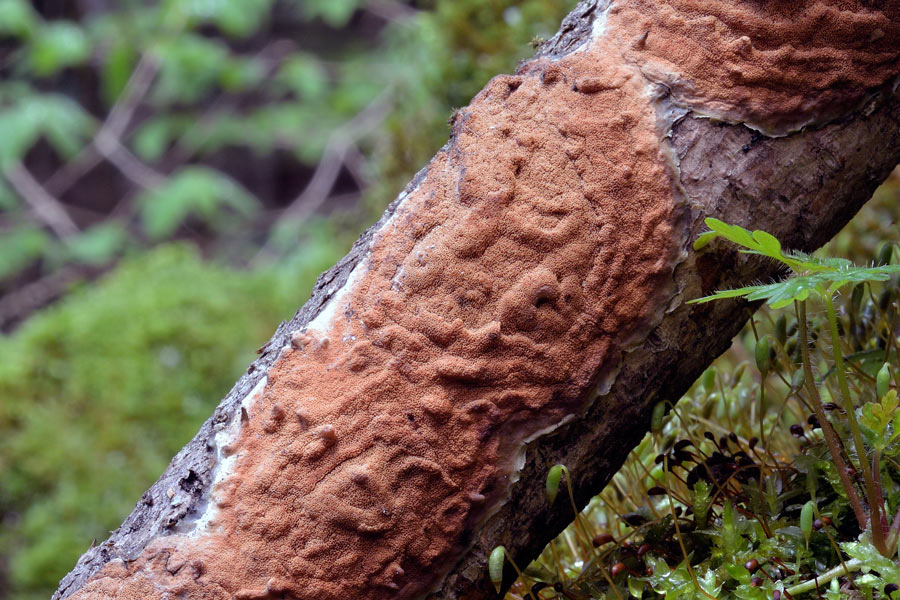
x=802, y=182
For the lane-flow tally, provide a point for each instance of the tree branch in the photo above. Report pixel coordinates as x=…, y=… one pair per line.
x=46, y=208
x=110, y=132
x=520, y=304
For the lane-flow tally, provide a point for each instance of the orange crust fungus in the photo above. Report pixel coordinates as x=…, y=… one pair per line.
x=500, y=294
x=774, y=65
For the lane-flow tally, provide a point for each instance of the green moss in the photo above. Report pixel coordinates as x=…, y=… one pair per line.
x=98, y=392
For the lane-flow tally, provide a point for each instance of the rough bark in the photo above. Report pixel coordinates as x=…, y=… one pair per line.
x=800, y=184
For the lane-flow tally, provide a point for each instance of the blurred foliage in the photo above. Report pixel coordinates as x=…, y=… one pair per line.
x=201, y=121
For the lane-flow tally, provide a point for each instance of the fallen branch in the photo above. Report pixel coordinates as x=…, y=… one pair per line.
x=521, y=304
x=46, y=208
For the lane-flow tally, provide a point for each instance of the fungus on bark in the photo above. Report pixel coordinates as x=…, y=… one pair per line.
x=529, y=280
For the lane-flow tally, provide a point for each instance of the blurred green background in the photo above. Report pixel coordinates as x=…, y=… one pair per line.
x=173, y=177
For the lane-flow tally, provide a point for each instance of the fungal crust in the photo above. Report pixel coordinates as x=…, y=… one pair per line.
x=496, y=303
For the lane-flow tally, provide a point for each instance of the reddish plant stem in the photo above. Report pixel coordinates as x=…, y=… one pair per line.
x=830, y=436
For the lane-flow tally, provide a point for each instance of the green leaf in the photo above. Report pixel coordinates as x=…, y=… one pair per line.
x=21, y=247
x=335, y=13
x=153, y=138
x=304, y=76
x=553, y=476
x=193, y=191
x=636, y=587
x=62, y=122
x=872, y=560
x=190, y=67
x=65, y=125
x=241, y=18
x=748, y=592
x=240, y=74
x=495, y=566
x=730, y=541
x=57, y=45
x=733, y=233
x=703, y=240
x=722, y=294
x=292, y=125
x=700, y=503
x=8, y=199
x=895, y=427
x=18, y=135
x=828, y=275
x=98, y=245
x=877, y=416
x=236, y=18
x=738, y=572
x=708, y=583
x=17, y=18
x=768, y=244
x=765, y=244
x=117, y=69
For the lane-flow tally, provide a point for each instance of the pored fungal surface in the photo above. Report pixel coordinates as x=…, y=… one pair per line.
x=774, y=65
x=506, y=286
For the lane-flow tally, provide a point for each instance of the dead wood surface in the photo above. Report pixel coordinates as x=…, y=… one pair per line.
x=802, y=187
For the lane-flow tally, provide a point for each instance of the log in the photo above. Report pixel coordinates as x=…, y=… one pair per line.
x=522, y=303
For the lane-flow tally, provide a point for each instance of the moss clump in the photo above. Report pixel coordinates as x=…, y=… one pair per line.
x=98, y=393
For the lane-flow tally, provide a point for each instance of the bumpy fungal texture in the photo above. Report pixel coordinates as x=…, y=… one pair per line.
x=771, y=64
x=539, y=244
x=504, y=289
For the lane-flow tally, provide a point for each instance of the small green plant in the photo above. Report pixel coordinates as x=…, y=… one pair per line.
x=821, y=278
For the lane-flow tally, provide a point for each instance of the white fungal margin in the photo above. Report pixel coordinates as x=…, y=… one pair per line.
x=327, y=318
x=225, y=461
x=598, y=27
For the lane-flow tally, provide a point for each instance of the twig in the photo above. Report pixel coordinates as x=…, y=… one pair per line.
x=316, y=191
x=272, y=55
x=137, y=87
x=390, y=10
x=872, y=490
x=355, y=161
x=113, y=127
x=130, y=166
x=684, y=553
x=335, y=151
x=47, y=208
x=16, y=305
x=827, y=576
x=831, y=438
